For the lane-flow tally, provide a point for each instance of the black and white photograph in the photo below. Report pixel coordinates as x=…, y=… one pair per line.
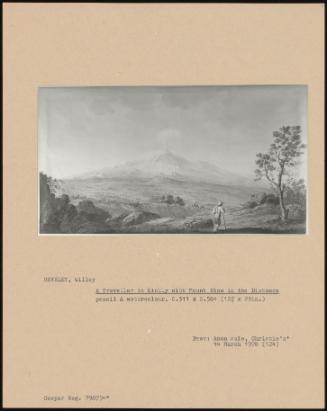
x=164, y=201
x=173, y=159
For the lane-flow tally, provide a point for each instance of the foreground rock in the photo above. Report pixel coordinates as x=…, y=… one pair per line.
x=59, y=215
x=139, y=217
x=87, y=209
x=198, y=222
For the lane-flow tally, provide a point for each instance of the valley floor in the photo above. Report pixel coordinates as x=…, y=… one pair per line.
x=108, y=207
x=262, y=220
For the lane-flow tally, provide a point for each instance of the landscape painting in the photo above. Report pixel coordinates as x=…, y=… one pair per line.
x=173, y=160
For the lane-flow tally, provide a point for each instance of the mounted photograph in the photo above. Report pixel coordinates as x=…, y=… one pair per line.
x=172, y=160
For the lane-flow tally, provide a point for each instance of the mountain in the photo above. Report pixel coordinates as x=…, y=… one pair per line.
x=168, y=165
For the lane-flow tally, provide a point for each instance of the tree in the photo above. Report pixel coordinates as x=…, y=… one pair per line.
x=276, y=164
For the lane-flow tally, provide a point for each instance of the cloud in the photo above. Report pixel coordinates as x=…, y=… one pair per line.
x=101, y=106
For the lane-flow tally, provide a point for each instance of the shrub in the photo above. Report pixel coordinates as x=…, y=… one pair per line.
x=179, y=201
x=169, y=199
x=271, y=199
x=251, y=204
x=296, y=193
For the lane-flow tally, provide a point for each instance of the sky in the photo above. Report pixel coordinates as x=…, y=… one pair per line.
x=82, y=129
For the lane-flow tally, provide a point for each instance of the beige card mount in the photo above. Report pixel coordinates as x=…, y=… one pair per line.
x=163, y=205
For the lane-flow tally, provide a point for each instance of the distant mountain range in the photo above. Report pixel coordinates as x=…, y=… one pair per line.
x=168, y=165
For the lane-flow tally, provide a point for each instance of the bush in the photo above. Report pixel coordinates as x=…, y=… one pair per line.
x=296, y=193
x=296, y=211
x=262, y=198
x=169, y=199
x=259, y=198
x=179, y=201
x=271, y=199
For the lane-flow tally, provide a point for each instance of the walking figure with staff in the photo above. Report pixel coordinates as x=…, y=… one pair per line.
x=218, y=217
